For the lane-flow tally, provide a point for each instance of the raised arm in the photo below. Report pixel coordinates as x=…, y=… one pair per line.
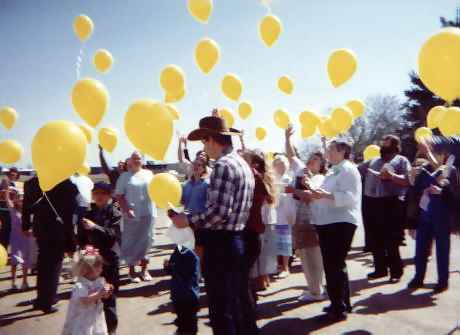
x=290, y=152
x=105, y=167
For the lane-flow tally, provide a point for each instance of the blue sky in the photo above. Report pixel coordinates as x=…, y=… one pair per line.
x=39, y=50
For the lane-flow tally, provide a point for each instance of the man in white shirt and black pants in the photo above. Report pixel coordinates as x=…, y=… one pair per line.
x=336, y=209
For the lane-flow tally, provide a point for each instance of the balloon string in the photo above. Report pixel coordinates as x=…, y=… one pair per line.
x=79, y=62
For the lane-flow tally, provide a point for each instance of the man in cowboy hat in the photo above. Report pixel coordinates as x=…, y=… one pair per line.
x=230, y=196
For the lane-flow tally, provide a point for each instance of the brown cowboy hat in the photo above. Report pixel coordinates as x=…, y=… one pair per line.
x=211, y=125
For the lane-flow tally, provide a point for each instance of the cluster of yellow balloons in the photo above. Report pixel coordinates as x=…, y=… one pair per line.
x=270, y=28
x=207, y=54
x=438, y=63
x=232, y=87
x=372, y=151
x=58, y=151
x=341, y=66
x=165, y=190
x=446, y=119
x=11, y=151
x=149, y=127
x=172, y=81
x=200, y=10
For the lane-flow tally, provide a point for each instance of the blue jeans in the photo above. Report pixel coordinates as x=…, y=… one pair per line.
x=230, y=309
x=434, y=223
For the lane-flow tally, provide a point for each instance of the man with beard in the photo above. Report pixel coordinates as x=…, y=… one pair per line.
x=386, y=182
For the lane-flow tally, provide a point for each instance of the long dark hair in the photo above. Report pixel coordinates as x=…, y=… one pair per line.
x=263, y=168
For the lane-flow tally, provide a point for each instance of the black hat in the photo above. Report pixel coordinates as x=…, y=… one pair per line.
x=101, y=186
x=212, y=125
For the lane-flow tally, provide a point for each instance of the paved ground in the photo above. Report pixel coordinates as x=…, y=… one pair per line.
x=380, y=308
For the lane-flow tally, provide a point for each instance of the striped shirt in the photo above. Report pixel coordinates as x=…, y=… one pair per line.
x=229, y=195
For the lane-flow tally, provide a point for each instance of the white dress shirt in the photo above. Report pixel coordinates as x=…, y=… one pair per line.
x=344, y=182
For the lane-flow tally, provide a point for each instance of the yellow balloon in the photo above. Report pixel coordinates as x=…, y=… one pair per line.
x=423, y=133
x=207, y=54
x=261, y=133
x=165, y=190
x=270, y=156
x=169, y=97
x=341, y=66
x=88, y=131
x=175, y=114
x=201, y=10
x=270, y=29
x=342, y=119
x=10, y=151
x=3, y=257
x=83, y=27
x=308, y=130
x=149, y=127
x=307, y=118
x=227, y=115
x=281, y=118
x=172, y=79
x=84, y=170
x=286, y=85
x=450, y=123
x=232, y=87
x=90, y=100
x=357, y=107
x=245, y=110
x=372, y=151
x=108, y=138
x=438, y=63
x=103, y=60
x=58, y=150
x=8, y=116
x=434, y=117
x=325, y=128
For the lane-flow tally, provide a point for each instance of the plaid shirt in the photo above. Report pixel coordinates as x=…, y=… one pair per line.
x=229, y=197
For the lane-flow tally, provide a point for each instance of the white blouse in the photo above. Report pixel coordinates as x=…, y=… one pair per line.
x=344, y=182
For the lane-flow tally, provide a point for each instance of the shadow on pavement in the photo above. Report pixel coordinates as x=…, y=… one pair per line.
x=146, y=290
x=380, y=303
x=296, y=326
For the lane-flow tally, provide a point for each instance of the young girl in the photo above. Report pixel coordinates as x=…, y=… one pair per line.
x=21, y=243
x=85, y=315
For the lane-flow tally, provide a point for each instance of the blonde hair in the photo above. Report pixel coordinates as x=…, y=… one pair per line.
x=87, y=262
x=264, y=168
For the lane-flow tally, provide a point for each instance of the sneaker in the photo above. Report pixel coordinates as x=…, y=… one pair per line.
x=283, y=274
x=134, y=280
x=306, y=296
x=146, y=277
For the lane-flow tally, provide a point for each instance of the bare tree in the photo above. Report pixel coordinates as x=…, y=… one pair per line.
x=383, y=115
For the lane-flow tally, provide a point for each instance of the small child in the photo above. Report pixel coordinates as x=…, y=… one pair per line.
x=184, y=267
x=21, y=242
x=85, y=315
x=100, y=227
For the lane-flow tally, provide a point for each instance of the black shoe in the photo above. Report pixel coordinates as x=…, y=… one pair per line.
x=415, y=284
x=50, y=310
x=439, y=288
x=377, y=275
x=336, y=316
x=328, y=309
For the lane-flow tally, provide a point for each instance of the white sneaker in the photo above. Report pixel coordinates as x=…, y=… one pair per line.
x=306, y=296
x=134, y=280
x=146, y=277
x=283, y=274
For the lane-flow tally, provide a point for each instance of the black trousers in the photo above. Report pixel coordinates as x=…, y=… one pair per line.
x=111, y=274
x=187, y=319
x=49, y=265
x=230, y=309
x=384, y=216
x=252, y=247
x=335, y=242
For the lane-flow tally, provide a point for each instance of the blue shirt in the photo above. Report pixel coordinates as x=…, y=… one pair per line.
x=194, y=196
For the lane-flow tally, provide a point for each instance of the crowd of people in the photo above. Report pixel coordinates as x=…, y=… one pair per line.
x=250, y=217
